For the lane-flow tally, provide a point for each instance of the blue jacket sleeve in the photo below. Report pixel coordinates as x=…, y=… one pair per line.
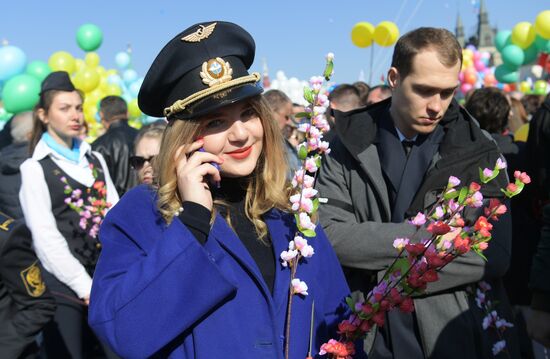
x=152, y=282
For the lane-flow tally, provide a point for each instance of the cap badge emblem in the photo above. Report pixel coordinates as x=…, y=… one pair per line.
x=200, y=34
x=216, y=71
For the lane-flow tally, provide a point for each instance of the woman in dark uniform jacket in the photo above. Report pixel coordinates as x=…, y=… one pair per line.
x=190, y=267
x=58, y=182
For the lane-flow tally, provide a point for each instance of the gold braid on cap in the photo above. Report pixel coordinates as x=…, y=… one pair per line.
x=180, y=105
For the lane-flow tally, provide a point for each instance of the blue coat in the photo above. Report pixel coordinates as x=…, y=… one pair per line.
x=156, y=290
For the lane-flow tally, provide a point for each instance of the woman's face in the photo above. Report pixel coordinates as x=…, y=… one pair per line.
x=64, y=119
x=235, y=133
x=147, y=147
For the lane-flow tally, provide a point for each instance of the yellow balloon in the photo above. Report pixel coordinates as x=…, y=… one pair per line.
x=95, y=96
x=92, y=59
x=522, y=133
x=524, y=87
x=62, y=61
x=135, y=123
x=78, y=64
x=133, y=109
x=101, y=70
x=542, y=24
x=86, y=79
x=386, y=33
x=467, y=54
x=112, y=90
x=361, y=34
x=111, y=72
x=90, y=110
x=523, y=34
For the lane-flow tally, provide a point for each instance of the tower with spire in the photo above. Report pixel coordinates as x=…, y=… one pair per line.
x=459, y=31
x=485, y=34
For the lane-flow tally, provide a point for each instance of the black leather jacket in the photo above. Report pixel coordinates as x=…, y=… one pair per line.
x=116, y=146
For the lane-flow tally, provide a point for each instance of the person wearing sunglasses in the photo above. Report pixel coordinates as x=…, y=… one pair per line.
x=146, y=147
x=191, y=267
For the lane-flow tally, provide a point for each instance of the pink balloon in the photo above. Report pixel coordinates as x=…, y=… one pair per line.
x=465, y=88
x=461, y=76
x=477, y=55
x=479, y=65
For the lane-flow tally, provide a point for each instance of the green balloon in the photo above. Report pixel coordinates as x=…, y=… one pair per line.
x=540, y=87
x=530, y=54
x=4, y=116
x=512, y=55
x=506, y=74
x=89, y=37
x=21, y=93
x=543, y=45
x=503, y=39
x=38, y=69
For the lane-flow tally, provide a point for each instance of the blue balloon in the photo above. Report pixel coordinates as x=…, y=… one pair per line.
x=122, y=60
x=114, y=79
x=135, y=86
x=12, y=62
x=129, y=76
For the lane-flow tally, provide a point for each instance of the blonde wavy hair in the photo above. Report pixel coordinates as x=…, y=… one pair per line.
x=267, y=186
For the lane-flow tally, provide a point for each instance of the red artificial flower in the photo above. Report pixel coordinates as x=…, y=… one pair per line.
x=438, y=228
x=474, y=187
x=483, y=226
x=407, y=305
x=365, y=326
x=395, y=296
x=415, y=281
x=496, y=208
x=511, y=187
x=415, y=249
x=338, y=349
x=367, y=308
x=430, y=276
x=379, y=318
x=462, y=245
x=99, y=184
x=434, y=259
x=522, y=177
x=483, y=245
x=346, y=328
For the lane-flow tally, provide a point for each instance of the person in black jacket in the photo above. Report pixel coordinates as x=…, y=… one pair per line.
x=11, y=157
x=26, y=306
x=117, y=143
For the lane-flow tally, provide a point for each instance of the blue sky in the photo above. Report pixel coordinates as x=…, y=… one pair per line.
x=292, y=36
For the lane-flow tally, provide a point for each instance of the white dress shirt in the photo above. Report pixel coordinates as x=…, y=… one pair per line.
x=50, y=245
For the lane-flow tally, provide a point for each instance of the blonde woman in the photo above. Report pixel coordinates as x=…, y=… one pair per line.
x=191, y=269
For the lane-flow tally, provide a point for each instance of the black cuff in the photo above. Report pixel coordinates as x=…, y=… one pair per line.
x=197, y=219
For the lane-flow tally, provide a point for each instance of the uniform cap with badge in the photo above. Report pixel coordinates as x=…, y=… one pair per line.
x=203, y=68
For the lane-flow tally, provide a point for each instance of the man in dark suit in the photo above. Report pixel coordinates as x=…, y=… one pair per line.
x=117, y=143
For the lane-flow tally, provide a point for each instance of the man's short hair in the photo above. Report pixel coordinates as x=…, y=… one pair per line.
x=113, y=108
x=491, y=108
x=21, y=127
x=442, y=41
x=346, y=97
x=363, y=89
x=276, y=99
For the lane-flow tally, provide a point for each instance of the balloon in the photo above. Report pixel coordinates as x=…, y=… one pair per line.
x=79, y=65
x=542, y=24
x=542, y=44
x=12, y=62
x=470, y=78
x=38, y=69
x=523, y=34
x=386, y=33
x=133, y=109
x=93, y=97
x=361, y=34
x=90, y=110
x=505, y=74
x=112, y=90
x=86, y=79
x=503, y=39
x=489, y=80
x=4, y=116
x=92, y=59
x=122, y=60
x=512, y=55
x=465, y=87
x=129, y=76
x=524, y=87
x=89, y=37
x=479, y=65
x=135, y=86
x=530, y=54
x=21, y=93
x=467, y=54
x=540, y=87
x=62, y=61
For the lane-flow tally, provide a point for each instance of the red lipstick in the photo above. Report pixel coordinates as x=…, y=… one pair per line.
x=241, y=153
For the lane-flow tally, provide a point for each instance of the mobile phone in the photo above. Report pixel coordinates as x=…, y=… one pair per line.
x=216, y=166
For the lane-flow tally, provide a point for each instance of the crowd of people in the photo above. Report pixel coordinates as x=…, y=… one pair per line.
x=165, y=242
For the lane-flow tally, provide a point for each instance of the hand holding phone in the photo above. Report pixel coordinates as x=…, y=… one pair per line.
x=194, y=169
